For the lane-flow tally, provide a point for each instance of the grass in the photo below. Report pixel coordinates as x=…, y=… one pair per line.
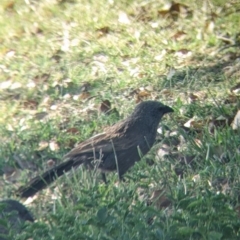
x=60, y=60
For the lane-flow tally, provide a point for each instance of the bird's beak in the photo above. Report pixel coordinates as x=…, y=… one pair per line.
x=167, y=109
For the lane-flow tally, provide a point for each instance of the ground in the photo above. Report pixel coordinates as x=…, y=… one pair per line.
x=71, y=68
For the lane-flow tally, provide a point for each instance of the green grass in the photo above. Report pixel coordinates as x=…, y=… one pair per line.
x=51, y=50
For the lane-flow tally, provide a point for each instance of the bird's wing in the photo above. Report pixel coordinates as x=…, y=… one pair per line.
x=104, y=143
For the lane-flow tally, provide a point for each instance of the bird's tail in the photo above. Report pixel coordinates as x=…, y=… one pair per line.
x=42, y=181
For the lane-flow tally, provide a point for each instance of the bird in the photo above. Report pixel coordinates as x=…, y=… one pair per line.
x=116, y=149
x=15, y=214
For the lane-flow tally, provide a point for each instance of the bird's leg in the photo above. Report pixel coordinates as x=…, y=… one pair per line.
x=104, y=178
x=88, y=165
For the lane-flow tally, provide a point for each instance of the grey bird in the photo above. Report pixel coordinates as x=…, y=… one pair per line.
x=14, y=214
x=118, y=148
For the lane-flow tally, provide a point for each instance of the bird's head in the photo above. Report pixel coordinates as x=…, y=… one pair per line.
x=146, y=117
x=151, y=112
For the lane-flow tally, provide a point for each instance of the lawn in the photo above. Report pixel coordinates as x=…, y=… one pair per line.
x=70, y=68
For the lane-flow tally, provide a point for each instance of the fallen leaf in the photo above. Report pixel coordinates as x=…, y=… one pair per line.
x=36, y=30
x=57, y=56
x=159, y=199
x=83, y=95
x=51, y=163
x=101, y=58
x=198, y=142
x=5, y=84
x=31, y=104
x=9, y=5
x=209, y=26
x=105, y=106
x=42, y=78
x=167, y=92
x=171, y=72
x=103, y=31
x=42, y=145
x=175, y=10
x=196, y=178
x=13, y=177
x=141, y=94
x=10, y=54
x=236, y=121
x=160, y=56
x=183, y=53
x=53, y=146
x=40, y=115
x=85, y=87
x=123, y=18
x=54, y=107
x=226, y=39
x=194, y=123
x=233, y=70
x=31, y=84
x=222, y=184
x=179, y=36
x=220, y=121
x=231, y=99
x=236, y=89
x=163, y=151
x=10, y=85
x=73, y=130
x=196, y=96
